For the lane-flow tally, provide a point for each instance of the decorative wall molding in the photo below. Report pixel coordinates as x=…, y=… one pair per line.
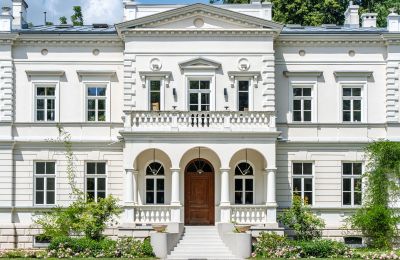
x=360, y=74
x=200, y=64
x=255, y=75
x=6, y=91
x=166, y=75
x=129, y=81
x=268, y=81
x=199, y=32
x=96, y=73
x=392, y=91
x=302, y=73
x=48, y=73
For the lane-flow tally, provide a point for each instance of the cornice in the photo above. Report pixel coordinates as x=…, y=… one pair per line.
x=366, y=74
x=303, y=73
x=69, y=40
x=391, y=38
x=328, y=39
x=54, y=73
x=200, y=32
x=96, y=73
x=7, y=38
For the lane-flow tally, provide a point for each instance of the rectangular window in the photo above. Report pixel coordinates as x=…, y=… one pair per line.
x=45, y=103
x=244, y=190
x=243, y=95
x=303, y=181
x=155, y=190
x=45, y=183
x=302, y=104
x=199, y=95
x=96, y=104
x=352, y=103
x=352, y=184
x=155, y=95
x=95, y=180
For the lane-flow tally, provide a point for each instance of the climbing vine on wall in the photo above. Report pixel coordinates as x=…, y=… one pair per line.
x=378, y=217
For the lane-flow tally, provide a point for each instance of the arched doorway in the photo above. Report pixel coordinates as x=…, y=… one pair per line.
x=199, y=193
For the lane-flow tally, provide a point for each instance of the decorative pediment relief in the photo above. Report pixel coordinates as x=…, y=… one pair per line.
x=199, y=16
x=200, y=64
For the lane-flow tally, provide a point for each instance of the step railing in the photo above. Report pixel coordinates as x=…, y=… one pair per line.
x=249, y=214
x=195, y=120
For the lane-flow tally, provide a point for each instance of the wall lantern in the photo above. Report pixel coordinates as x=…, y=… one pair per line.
x=174, y=92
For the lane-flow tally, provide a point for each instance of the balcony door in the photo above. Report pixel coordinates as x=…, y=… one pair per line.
x=199, y=193
x=199, y=95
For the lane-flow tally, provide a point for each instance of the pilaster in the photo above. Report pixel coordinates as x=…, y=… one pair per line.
x=392, y=91
x=268, y=82
x=129, y=81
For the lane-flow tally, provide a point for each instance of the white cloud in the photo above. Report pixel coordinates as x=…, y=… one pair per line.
x=102, y=11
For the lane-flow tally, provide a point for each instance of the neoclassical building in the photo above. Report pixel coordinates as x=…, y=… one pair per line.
x=193, y=115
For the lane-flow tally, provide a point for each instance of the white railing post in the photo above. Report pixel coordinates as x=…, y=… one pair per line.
x=175, y=196
x=225, y=201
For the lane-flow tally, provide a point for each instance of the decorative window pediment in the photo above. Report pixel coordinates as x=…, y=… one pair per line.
x=355, y=74
x=303, y=74
x=96, y=73
x=45, y=73
x=254, y=75
x=200, y=64
x=166, y=75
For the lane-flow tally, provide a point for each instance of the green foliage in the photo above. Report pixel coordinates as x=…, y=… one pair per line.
x=63, y=20
x=66, y=247
x=272, y=245
x=22, y=253
x=322, y=248
x=77, y=17
x=304, y=223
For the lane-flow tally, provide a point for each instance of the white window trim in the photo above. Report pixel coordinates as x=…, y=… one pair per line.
x=155, y=184
x=352, y=177
x=251, y=92
x=162, y=92
x=201, y=76
x=312, y=176
x=45, y=184
x=35, y=85
x=107, y=85
x=314, y=100
x=252, y=177
x=364, y=100
x=95, y=176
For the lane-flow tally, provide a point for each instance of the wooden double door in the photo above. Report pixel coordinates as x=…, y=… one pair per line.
x=199, y=193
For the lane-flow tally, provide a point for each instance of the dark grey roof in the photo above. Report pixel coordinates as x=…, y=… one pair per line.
x=57, y=29
x=331, y=29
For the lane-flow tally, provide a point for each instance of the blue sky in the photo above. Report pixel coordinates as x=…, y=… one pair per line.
x=95, y=11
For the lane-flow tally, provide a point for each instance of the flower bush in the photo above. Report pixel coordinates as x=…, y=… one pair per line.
x=22, y=253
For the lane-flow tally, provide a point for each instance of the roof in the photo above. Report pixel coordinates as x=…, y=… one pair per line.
x=330, y=30
x=57, y=29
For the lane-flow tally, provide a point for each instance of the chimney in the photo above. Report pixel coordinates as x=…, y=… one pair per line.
x=5, y=19
x=130, y=10
x=369, y=20
x=393, y=22
x=352, y=19
x=19, y=13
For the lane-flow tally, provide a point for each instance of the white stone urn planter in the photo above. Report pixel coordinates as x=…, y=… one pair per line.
x=242, y=228
x=159, y=228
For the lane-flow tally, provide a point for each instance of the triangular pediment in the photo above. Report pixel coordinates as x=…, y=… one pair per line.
x=200, y=63
x=199, y=16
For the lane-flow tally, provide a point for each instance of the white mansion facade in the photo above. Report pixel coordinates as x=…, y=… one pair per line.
x=198, y=114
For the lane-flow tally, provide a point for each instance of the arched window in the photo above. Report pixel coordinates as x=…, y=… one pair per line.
x=155, y=183
x=244, y=184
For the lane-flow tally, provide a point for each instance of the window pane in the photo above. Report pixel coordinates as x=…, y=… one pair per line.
x=308, y=184
x=101, y=104
x=346, y=104
x=51, y=184
x=357, y=169
x=307, y=116
x=90, y=195
x=160, y=185
x=194, y=107
x=357, y=92
x=50, y=104
x=155, y=85
x=243, y=101
x=101, y=184
x=297, y=116
x=205, y=99
x=249, y=198
x=307, y=104
x=357, y=198
x=346, y=184
x=40, y=104
x=296, y=184
x=346, y=116
x=40, y=115
x=101, y=195
x=39, y=197
x=346, y=92
x=102, y=116
x=50, y=91
x=238, y=198
x=40, y=167
x=244, y=85
x=347, y=167
x=91, y=116
x=297, y=168
x=50, y=167
x=40, y=91
x=297, y=92
x=249, y=184
x=194, y=98
x=307, y=92
x=91, y=168
x=155, y=100
x=50, y=115
x=357, y=104
x=194, y=84
x=91, y=104
x=90, y=184
x=101, y=168
x=205, y=108
x=238, y=184
x=346, y=198
x=307, y=168
x=39, y=183
x=50, y=199
x=204, y=84
x=150, y=184
x=308, y=198
x=357, y=185
x=91, y=91
x=160, y=197
x=357, y=116
x=101, y=92
x=297, y=104
x=150, y=197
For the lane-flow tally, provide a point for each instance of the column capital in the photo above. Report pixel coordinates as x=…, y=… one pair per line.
x=225, y=169
x=134, y=171
x=271, y=169
x=175, y=169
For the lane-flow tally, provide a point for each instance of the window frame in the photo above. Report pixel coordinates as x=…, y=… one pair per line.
x=364, y=100
x=46, y=83
x=154, y=177
x=45, y=176
x=98, y=84
x=302, y=177
x=244, y=177
x=250, y=92
x=352, y=177
x=162, y=91
x=96, y=176
x=199, y=77
x=313, y=97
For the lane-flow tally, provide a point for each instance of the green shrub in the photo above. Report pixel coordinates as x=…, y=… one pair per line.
x=22, y=253
x=322, y=248
x=272, y=245
x=305, y=224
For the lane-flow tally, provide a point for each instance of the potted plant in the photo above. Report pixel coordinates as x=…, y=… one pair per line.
x=241, y=228
x=160, y=228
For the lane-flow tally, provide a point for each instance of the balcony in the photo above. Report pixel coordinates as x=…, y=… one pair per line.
x=207, y=121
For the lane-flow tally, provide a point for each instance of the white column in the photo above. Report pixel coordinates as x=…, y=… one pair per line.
x=225, y=200
x=135, y=187
x=271, y=196
x=175, y=196
x=129, y=196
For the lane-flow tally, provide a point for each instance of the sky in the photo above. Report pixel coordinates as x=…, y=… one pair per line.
x=94, y=11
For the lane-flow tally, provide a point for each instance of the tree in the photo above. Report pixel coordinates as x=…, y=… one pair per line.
x=49, y=23
x=77, y=17
x=63, y=20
